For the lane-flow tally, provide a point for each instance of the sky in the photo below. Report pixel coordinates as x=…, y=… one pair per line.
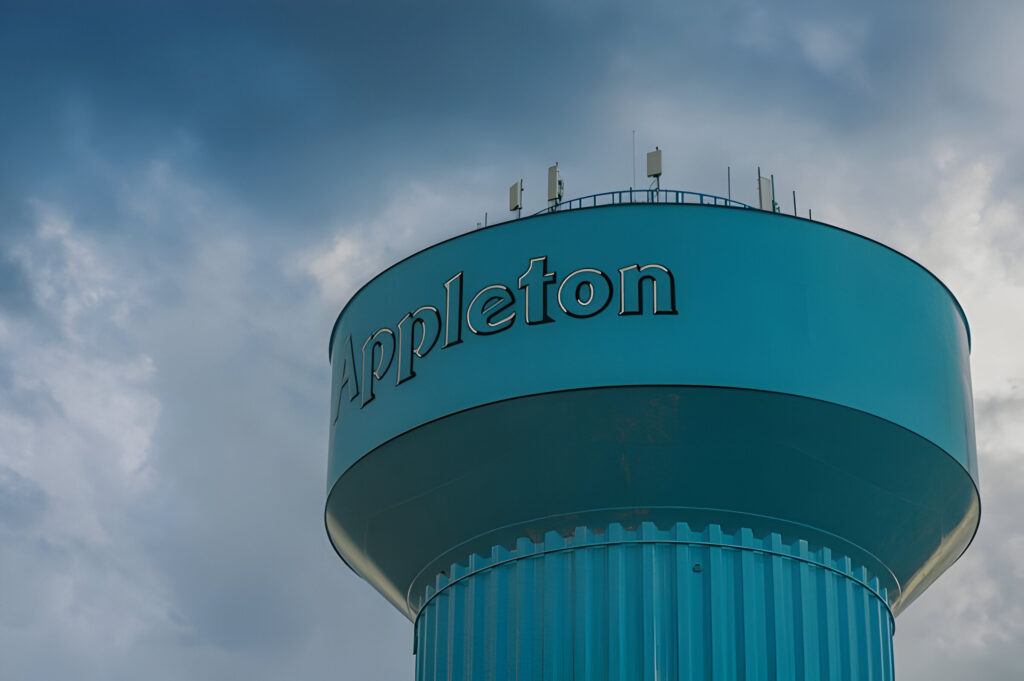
x=190, y=192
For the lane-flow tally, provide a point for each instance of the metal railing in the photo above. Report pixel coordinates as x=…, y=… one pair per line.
x=627, y=196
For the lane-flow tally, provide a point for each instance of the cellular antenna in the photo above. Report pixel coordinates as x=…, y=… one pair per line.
x=654, y=166
x=555, y=186
x=515, y=197
x=766, y=192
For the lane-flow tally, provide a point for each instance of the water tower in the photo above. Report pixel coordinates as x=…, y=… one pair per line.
x=652, y=435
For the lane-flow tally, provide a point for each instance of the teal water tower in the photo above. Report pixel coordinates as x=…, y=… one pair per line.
x=652, y=435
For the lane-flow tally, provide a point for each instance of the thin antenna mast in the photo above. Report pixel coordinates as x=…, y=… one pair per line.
x=634, y=160
x=728, y=182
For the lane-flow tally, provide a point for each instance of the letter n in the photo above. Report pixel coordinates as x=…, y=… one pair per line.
x=631, y=289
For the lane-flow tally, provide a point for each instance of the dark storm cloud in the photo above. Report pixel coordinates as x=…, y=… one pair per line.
x=297, y=111
x=285, y=108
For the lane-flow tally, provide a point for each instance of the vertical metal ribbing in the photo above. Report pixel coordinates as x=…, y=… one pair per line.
x=850, y=635
x=583, y=617
x=721, y=611
x=481, y=646
x=810, y=640
x=830, y=599
x=784, y=614
x=683, y=639
x=653, y=605
x=617, y=629
x=752, y=589
x=649, y=616
x=498, y=622
x=441, y=638
x=458, y=631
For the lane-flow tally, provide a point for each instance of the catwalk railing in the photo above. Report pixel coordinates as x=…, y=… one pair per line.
x=627, y=196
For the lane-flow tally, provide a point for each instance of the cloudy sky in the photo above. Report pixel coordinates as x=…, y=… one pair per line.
x=188, y=194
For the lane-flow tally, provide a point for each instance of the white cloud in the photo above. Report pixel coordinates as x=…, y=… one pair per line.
x=67, y=279
x=415, y=217
x=828, y=48
x=973, y=241
x=77, y=419
x=832, y=47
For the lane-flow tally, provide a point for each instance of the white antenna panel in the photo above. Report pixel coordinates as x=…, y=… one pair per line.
x=654, y=163
x=555, y=186
x=515, y=196
x=764, y=191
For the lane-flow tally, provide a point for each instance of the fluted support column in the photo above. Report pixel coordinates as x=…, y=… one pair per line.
x=653, y=604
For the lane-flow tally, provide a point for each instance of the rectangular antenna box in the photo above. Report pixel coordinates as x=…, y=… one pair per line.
x=554, y=184
x=654, y=163
x=765, y=193
x=515, y=195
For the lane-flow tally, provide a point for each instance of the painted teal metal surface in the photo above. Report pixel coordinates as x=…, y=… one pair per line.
x=740, y=458
x=651, y=368
x=653, y=604
x=765, y=301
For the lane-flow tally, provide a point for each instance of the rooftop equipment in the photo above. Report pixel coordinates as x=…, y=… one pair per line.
x=766, y=192
x=515, y=196
x=654, y=166
x=555, y=184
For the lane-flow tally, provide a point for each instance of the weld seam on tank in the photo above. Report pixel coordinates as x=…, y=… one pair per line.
x=465, y=573
x=798, y=559
x=744, y=613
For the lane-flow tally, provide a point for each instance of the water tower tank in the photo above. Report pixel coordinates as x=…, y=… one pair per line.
x=652, y=441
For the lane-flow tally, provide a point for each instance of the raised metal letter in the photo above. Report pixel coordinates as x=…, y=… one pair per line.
x=453, y=317
x=584, y=293
x=428, y=320
x=347, y=377
x=385, y=340
x=488, y=304
x=537, y=278
x=631, y=294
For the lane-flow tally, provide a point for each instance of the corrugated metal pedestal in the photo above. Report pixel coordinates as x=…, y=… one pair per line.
x=652, y=603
